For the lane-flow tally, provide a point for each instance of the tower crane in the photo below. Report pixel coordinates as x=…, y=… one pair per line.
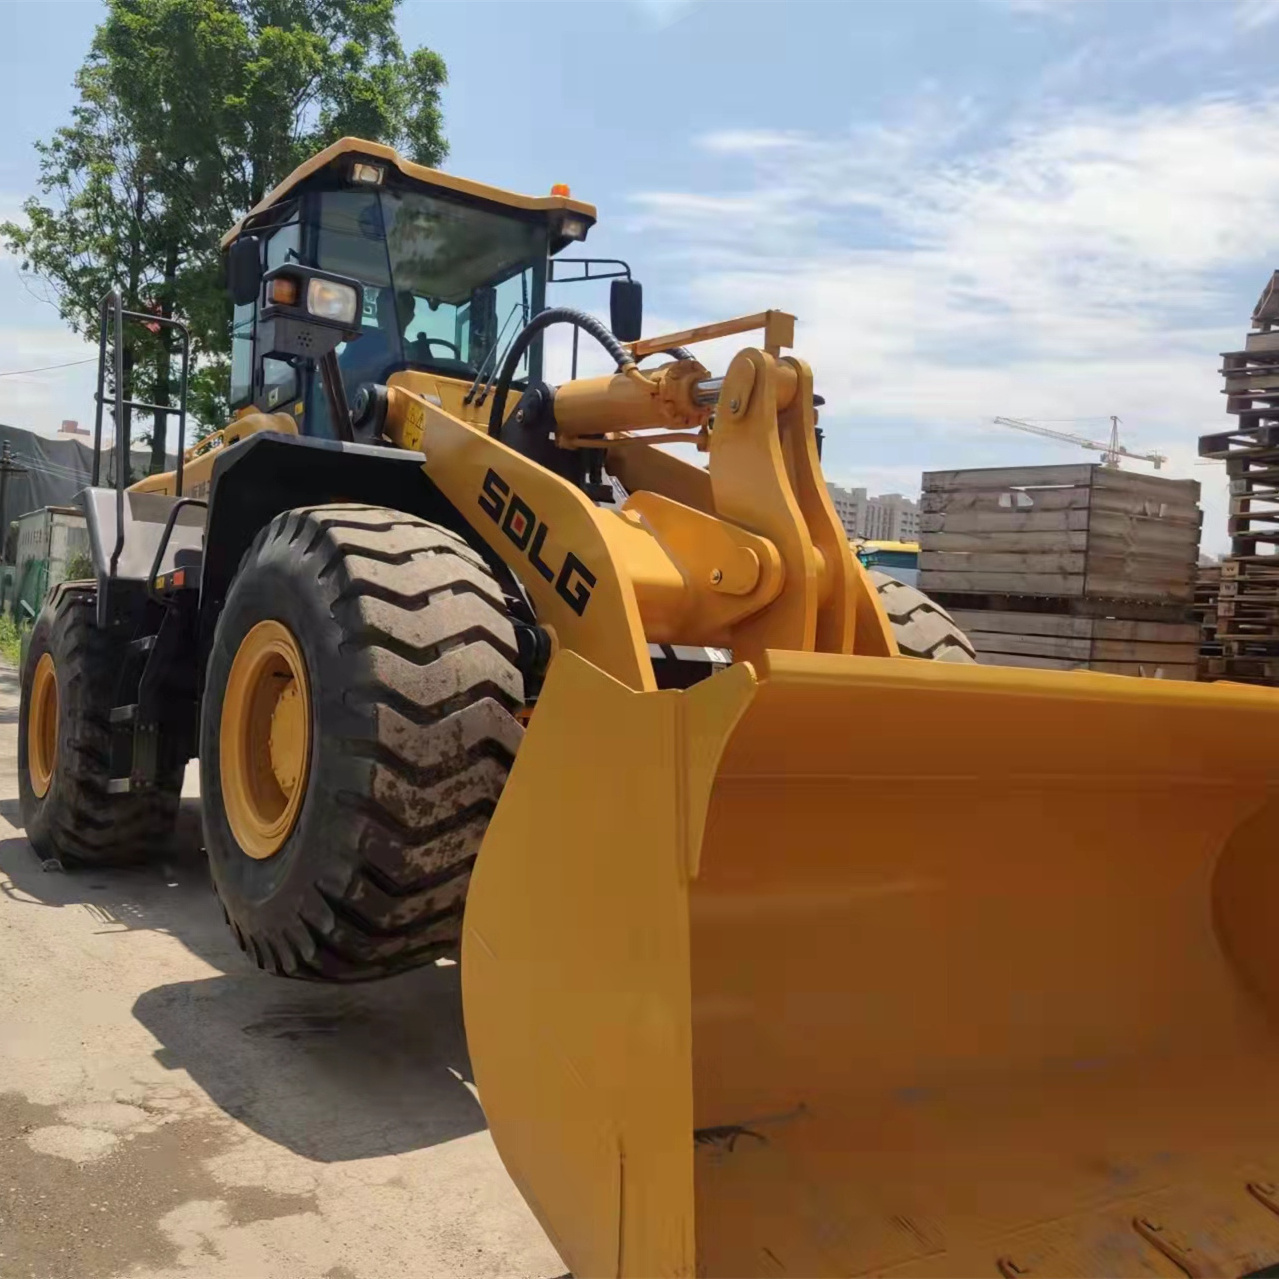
x=1111, y=451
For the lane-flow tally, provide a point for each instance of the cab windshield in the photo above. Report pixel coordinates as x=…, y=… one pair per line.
x=446, y=285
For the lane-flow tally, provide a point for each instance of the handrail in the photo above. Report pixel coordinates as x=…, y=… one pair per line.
x=111, y=311
x=169, y=525
x=121, y=434
x=102, y=373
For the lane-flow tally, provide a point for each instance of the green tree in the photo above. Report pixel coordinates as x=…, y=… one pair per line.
x=189, y=112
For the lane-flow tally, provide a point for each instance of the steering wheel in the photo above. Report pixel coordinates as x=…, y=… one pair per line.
x=430, y=341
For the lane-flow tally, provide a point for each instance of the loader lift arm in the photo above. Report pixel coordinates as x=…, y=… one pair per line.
x=747, y=555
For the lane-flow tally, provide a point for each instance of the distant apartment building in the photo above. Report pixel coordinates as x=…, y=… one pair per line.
x=850, y=506
x=890, y=518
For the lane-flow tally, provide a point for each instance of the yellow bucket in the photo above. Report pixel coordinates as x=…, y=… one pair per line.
x=848, y=965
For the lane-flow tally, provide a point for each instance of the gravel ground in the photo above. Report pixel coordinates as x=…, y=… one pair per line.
x=166, y=1110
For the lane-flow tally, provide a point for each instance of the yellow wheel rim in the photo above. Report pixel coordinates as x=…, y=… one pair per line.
x=42, y=726
x=265, y=739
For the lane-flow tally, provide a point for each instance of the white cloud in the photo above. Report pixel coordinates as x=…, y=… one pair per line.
x=1054, y=8
x=1253, y=14
x=739, y=141
x=40, y=401
x=1086, y=265
x=1248, y=14
x=33, y=336
x=664, y=13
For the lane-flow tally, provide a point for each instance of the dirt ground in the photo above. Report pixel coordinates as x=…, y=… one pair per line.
x=166, y=1110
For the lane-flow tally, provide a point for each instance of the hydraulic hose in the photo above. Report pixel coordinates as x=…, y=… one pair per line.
x=543, y=320
x=676, y=353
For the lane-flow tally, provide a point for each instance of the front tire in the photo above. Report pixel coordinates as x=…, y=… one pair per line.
x=395, y=637
x=70, y=678
x=921, y=627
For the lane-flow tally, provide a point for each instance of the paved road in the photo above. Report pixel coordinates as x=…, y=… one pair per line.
x=166, y=1110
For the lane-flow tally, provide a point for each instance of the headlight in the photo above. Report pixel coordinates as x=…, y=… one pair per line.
x=328, y=301
x=573, y=229
x=369, y=174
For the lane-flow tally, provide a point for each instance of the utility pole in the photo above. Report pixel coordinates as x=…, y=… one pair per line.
x=9, y=465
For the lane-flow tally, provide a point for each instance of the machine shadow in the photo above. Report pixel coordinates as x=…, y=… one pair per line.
x=171, y=894
x=330, y=1072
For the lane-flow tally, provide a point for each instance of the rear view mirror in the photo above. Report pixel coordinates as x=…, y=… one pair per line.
x=244, y=270
x=626, y=310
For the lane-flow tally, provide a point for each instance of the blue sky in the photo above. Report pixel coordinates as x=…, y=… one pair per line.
x=1039, y=208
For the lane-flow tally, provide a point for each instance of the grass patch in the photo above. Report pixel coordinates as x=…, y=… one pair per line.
x=10, y=640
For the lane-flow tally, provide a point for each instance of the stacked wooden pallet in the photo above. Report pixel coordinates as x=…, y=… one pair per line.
x=1247, y=634
x=1207, y=594
x=1247, y=612
x=1063, y=567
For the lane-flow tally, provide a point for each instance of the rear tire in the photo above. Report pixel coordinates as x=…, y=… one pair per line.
x=921, y=627
x=76, y=819
x=410, y=659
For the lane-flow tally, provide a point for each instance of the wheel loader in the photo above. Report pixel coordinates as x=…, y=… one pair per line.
x=785, y=951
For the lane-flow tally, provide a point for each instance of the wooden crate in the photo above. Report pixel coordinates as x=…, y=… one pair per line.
x=1067, y=567
x=1069, y=532
x=1165, y=649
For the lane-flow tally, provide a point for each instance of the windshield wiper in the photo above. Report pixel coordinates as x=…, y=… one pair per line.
x=496, y=351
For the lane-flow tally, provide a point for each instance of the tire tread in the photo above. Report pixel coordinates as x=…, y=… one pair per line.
x=921, y=626
x=417, y=626
x=80, y=821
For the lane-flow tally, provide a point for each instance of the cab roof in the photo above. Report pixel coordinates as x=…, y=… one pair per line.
x=338, y=156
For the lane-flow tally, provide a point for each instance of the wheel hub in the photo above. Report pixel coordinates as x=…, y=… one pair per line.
x=288, y=737
x=265, y=739
x=42, y=726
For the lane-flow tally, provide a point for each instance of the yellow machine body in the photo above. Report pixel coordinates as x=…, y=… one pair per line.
x=841, y=962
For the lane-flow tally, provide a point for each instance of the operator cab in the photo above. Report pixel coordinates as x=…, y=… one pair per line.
x=451, y=270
